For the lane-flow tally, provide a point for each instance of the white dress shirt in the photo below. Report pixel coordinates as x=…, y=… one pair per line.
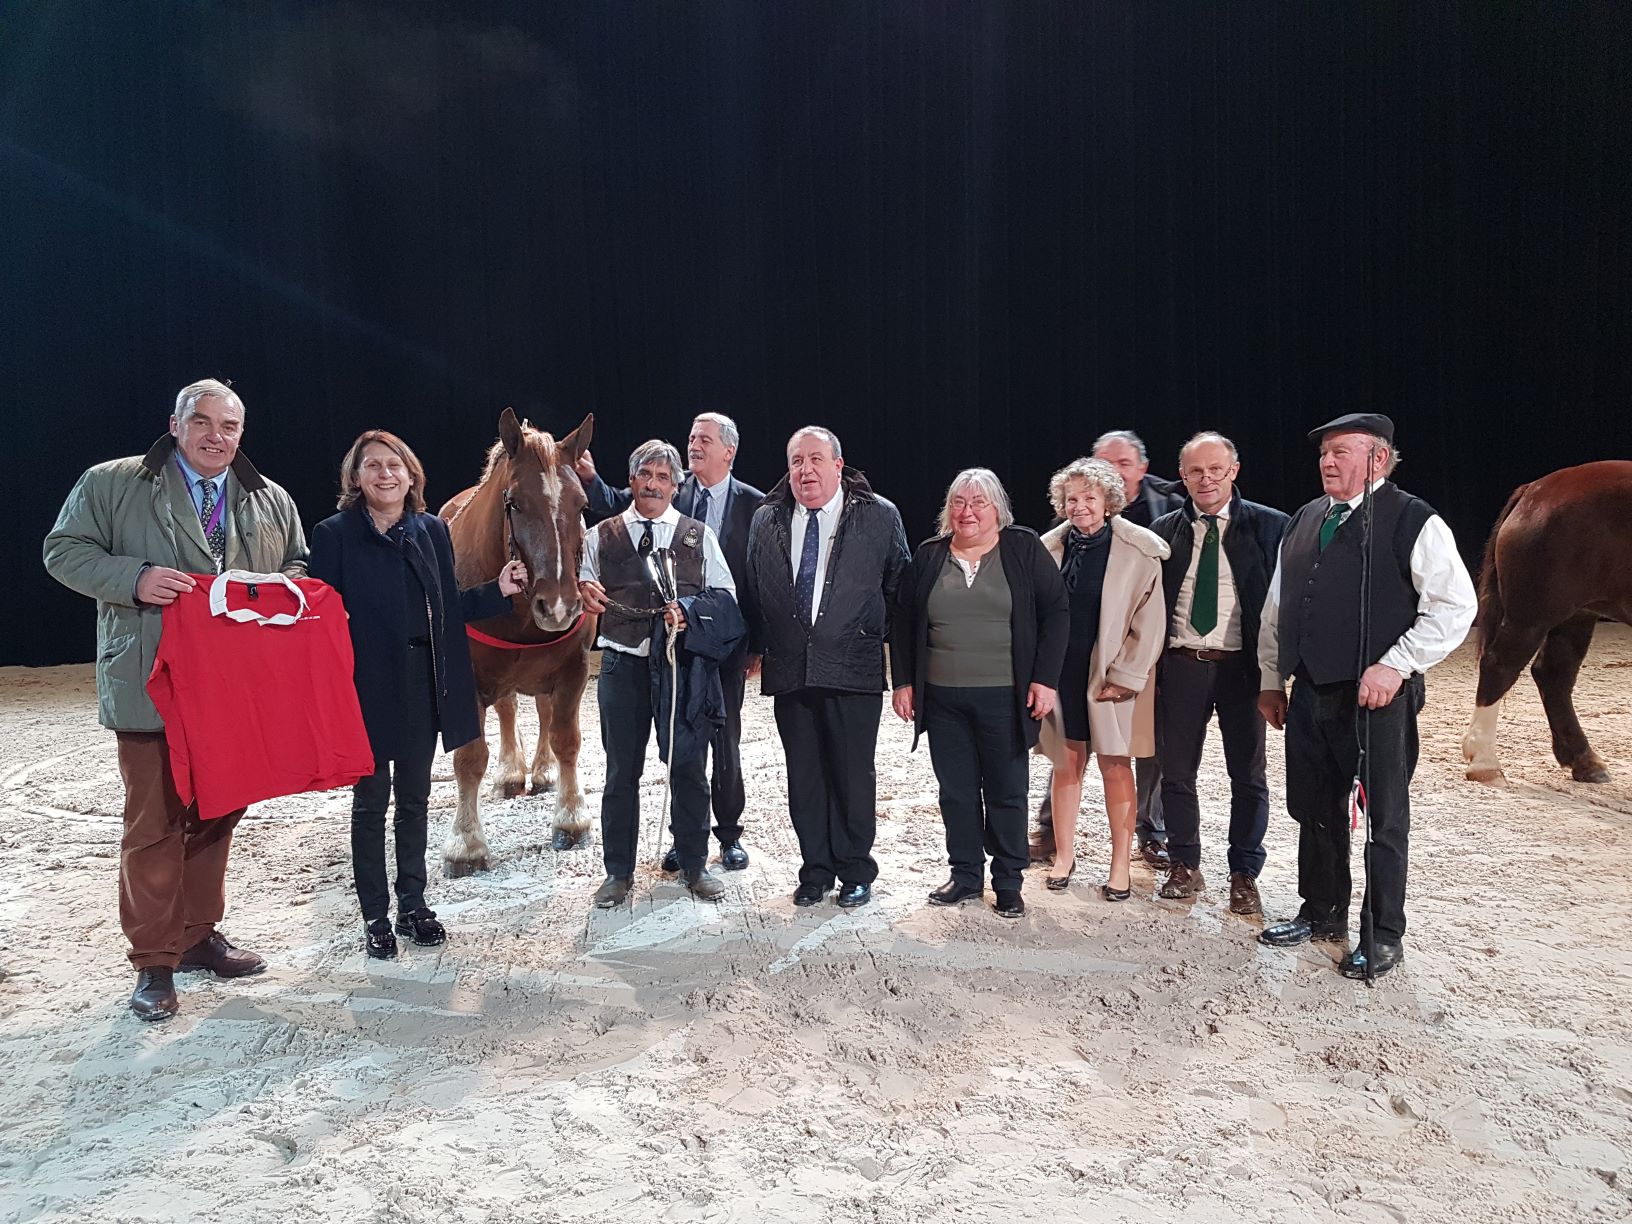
x=716, y=501
x=1226, y=634
x=827, y=522
x=1446, y=604
x=716, y=573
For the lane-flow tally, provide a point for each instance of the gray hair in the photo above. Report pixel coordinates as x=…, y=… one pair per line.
x=655, y=451
x=983, y=480
x=826, y=435
x=1094, y=473
x=187, y=398
x=1379, y=440
x=1209, y=435
x=728, y=427
x=1123, y=435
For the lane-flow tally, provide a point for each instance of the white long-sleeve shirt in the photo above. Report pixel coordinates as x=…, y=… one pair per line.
x=1446, y=604
x=716, y=573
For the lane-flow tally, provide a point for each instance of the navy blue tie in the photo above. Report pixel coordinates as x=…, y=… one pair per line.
x=804, y=587
x=699, y=509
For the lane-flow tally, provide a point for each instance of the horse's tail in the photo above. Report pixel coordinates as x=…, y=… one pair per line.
x=1490, y=586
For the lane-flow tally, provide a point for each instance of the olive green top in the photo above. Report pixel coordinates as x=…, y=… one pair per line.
x=969, y=640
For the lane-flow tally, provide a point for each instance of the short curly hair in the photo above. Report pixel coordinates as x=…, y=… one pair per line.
x=1093, y=472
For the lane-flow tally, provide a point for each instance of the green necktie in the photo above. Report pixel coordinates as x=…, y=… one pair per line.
x=1334, y=519
x=1204, y=604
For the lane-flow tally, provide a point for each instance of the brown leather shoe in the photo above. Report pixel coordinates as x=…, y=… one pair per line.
x=155, y=995
x=1155, y=855
x=216, y=954
x=1244, y=898
x=1182, y=883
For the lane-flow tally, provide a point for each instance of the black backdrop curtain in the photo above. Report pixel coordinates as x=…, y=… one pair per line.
x=955, y=233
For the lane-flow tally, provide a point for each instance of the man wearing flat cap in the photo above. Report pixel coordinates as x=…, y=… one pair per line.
x=1316, y=632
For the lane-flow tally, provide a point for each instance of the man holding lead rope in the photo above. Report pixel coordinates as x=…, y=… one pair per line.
x=640, y=676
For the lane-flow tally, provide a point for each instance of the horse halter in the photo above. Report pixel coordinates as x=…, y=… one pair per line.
x=510, y=525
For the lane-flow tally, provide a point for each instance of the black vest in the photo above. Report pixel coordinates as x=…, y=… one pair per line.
x=1320, y=591
x=623, y=574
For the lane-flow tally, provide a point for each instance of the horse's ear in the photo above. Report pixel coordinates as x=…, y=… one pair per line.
x=510, y=432
x=577, y=442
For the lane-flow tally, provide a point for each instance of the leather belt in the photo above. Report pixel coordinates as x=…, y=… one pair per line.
x=1206, y=655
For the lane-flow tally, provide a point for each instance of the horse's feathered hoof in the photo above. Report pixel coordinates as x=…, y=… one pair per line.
x=541, y=786
x=511, y=787
x=564, y=840
x=1484, y=774
x=1591, y=771
x=455, y=869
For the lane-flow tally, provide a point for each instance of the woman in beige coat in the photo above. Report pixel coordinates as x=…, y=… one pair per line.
x=1113, y=576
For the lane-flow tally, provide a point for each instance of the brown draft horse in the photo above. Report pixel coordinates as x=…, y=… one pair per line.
x=528, y=504
x=1558, y=559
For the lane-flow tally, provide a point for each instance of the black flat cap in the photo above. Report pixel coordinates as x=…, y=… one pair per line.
x=1357, y=422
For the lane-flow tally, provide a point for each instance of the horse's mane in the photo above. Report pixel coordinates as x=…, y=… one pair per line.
x=545, y=444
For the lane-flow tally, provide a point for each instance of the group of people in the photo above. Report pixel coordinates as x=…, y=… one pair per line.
x=1121, y=632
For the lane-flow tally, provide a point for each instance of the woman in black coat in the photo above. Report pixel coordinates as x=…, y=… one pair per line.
x=977, y=638
x=393, y=565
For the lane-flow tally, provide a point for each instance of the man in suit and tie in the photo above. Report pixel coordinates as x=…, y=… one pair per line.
x=712, y=495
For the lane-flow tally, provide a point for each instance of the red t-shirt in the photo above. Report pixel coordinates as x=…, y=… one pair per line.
x=256, y=691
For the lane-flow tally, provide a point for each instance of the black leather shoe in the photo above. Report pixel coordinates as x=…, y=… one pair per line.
x=421, y=926
x=1384, y=957
x=853, y=896
x=378, y=940
x=614, y=890
x=1299, y=930
x=952, y=892
x=671, y=861
x=732, y=856
x=217, y=954
x=155, y=995
x=809, y=894
x=1155, y=854
x=705, y=885
x=1009, y=904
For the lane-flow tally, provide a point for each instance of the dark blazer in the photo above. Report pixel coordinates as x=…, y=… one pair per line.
x=1251, y=543
x=350, y=555
x=1156, y=498
x=741, y=500
x=844, y=649
x=1039, y=620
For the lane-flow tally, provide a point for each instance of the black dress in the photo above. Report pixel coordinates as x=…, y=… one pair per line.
x=1083, y=570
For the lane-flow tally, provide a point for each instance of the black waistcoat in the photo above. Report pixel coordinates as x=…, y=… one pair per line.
x=623, y=574
x=1320, y=591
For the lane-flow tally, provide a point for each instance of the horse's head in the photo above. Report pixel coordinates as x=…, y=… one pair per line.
x=544, y=507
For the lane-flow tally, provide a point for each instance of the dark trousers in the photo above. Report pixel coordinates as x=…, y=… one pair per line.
x=829, y=738
x=625, y=697
x=725, y=748
x=409, y=775
x=1321, y=759
x=1191, y=692
x=172, y=865
x=979, y=757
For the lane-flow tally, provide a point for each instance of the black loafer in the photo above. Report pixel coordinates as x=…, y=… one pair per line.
x=853, y=896
x=421, y=926
x=378, y=940
x=614, y=891
x=671, y=861
x=732, y=856
x=155, y=995
x=953, y=892
x=1300, y=930
x=809, y=894
x=1385, y=956
x=1009, y=904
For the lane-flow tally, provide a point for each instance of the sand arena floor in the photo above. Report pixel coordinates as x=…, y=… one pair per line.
x=754, y=1062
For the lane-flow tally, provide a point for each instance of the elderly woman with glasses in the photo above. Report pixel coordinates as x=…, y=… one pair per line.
x=976, y=641
x=1112, y=571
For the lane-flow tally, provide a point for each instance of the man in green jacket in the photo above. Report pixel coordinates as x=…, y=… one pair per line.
x=131, y=535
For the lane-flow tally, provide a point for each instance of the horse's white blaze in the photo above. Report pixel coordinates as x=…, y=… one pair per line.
x=1479, y=743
